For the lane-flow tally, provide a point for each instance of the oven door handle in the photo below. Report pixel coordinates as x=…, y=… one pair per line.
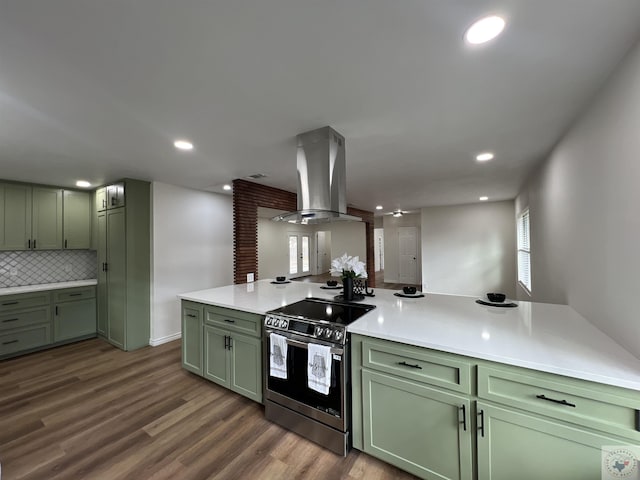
x=296, y=343
x=303, y=345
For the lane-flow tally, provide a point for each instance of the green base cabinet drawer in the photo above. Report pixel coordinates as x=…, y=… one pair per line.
x=234, y=320
x=603, y=408
x=25, y=318
x=414, y=363
x=420, y=429
x=525, y=447
x=17, y=340
x=73, y=294
x=24, y=300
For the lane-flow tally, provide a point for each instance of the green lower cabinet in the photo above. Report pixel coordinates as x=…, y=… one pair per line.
x=192, y=337
x=216, y=359
x=423, y=430
x=74, y=319
x=233, y=360
x=14, y=341
x=514, y=445
x=246, y=366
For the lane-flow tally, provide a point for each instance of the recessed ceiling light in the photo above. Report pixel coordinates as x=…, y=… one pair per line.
x=483, y=157
x=379, y=207
x=83, y=184
x=183, y=145
x=483, y=199
x=226, y=187
x=484, y=30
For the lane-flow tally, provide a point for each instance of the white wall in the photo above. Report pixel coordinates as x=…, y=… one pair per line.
x=273, y=247
x=192, y=250
x=273, y=250
x=347, y=237
x=583, y=204
x=469, y=249
x=392, y=245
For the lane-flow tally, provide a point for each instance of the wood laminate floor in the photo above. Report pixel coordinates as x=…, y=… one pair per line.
x=90, y=411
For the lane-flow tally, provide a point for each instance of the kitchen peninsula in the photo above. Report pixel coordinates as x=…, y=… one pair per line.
x=534, y=385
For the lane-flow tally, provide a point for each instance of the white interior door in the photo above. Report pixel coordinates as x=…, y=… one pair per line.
x=323, y=250
x=378, y=249
x=299, y=254
x=408, y=265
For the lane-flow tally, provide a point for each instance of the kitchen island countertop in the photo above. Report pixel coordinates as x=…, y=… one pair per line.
x=47, y=286
x=545, y=337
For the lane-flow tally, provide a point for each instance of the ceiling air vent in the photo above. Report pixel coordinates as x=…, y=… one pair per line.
x=257, y=176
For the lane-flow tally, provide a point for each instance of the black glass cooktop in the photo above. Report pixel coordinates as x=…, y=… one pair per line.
x=324, y=310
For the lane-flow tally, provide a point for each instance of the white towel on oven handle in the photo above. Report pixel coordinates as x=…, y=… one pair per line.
x=277, y=356
x=319, y=368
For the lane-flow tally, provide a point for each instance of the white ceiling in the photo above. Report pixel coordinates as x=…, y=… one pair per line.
x=100, y=89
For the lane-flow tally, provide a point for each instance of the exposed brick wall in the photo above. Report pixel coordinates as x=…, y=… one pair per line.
x=247, y=197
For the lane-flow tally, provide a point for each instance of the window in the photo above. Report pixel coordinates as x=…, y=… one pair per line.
x=524, y=251
x=293, y=254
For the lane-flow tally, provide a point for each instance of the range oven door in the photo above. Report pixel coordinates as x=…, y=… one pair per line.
x=294, y=392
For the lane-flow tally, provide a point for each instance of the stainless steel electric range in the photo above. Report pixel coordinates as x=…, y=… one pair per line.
x=323, y=417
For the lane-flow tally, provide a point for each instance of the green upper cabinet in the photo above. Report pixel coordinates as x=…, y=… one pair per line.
x=15, y=216
x=115, y=195
x=46, y=218
x=100, y=201
x=39, y=217
x=76, y=219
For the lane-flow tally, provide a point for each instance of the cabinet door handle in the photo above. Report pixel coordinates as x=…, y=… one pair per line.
x=191, y=315
x=75, y=294
x=405, y=364
x=29, y=243
x=226, y=342
x=56, y=310
x=10, y=320
x=34, y=243
x=481, y=426
x=228, y=320
x=104, y=203
x=10, y=342
x=561, y=402
x=230, y=343
x=65, y=243
x=9, y=303
x=464, y=417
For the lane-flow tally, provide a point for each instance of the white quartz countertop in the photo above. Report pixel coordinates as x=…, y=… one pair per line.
x=47, y=286
x=540, y=336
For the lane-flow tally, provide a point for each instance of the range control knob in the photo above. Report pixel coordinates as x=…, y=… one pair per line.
x=327, y=332
x=267, y=321
x=338, y=335
x=318, y=331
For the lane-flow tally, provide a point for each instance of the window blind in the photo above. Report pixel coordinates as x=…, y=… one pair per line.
x=524, y=251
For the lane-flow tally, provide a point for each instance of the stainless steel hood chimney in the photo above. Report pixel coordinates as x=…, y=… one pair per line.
x=321, y=179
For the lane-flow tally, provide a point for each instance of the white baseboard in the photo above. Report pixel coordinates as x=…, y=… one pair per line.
x=154, y=342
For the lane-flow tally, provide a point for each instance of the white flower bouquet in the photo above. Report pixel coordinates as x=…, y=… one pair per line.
x=348, y=267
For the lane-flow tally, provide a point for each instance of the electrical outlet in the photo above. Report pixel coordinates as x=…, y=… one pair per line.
x=13, y=271
x=250, y=277
x=68, y=268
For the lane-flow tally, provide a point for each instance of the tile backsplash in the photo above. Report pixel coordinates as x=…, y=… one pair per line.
x=18, y=268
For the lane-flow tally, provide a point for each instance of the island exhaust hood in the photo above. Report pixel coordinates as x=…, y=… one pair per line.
x=321, y=179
